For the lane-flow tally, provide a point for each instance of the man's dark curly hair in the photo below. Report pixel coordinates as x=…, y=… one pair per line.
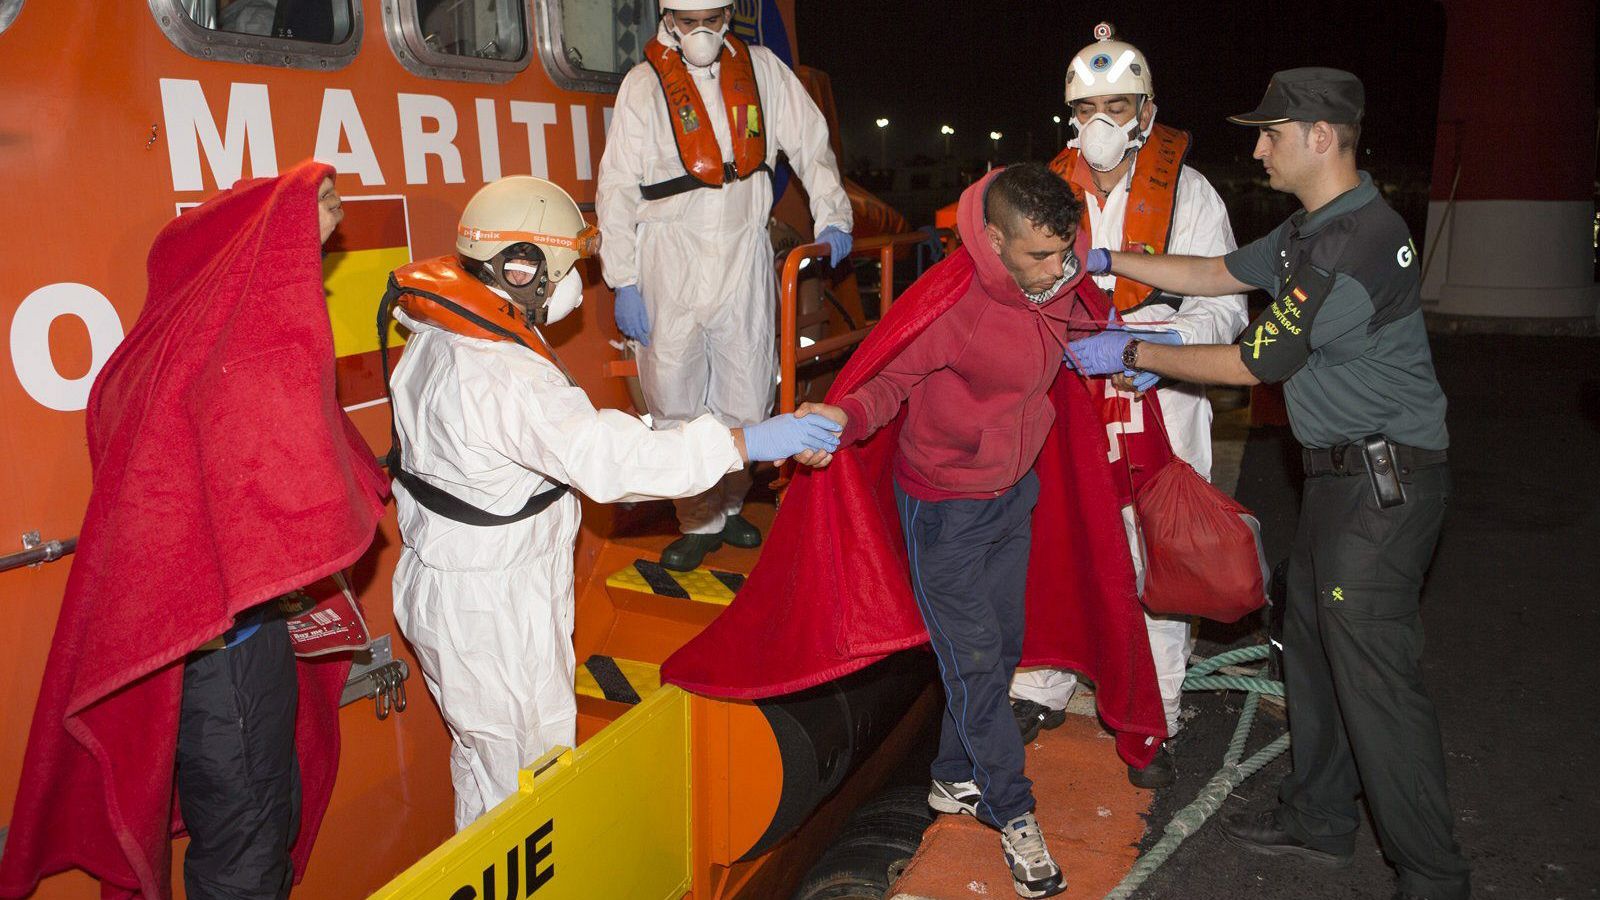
x=1033, y=192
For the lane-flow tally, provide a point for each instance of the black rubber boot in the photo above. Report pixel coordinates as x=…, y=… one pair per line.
x=1158, y=774
x=686, y=553
x=738, y=532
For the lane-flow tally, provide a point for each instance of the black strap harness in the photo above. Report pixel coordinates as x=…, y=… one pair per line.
x=685, y=183
x=433, y=499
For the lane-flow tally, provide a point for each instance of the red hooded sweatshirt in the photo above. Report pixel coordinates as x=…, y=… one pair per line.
x=978, y=378
x=831, y=593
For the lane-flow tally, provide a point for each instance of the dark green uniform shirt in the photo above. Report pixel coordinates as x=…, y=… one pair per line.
x=1345, y=331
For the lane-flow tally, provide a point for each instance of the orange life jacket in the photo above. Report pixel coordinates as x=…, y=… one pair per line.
x=1147, y=224
x=438, y=291
x=691, y=128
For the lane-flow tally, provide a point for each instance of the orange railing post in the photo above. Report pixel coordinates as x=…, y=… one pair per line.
x=788, y=312
x=789, y=357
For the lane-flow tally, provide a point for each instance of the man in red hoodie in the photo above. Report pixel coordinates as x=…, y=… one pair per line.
x=976, y=382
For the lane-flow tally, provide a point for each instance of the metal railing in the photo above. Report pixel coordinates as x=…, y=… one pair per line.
x=790, y=353
x=38, y=553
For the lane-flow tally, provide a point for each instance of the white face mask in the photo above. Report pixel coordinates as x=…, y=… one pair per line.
x=1104, y=143
x=567, y=297
x=702, y=46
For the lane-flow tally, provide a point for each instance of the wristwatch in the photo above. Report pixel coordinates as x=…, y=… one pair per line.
x=1130, y=355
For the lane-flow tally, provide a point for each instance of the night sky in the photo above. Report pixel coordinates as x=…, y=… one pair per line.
x=1000, y=66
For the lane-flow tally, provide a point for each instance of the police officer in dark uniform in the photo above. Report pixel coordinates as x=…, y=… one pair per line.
x=1345, y=336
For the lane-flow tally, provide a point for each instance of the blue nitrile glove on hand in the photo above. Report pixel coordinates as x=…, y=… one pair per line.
x=781, y=437
x=1099, y=353
x=839, y=243
x=632, y=319
x=1113, y=334
x=1142, y=381
x=1099, y=261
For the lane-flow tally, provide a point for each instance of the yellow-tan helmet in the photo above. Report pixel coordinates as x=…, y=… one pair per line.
x=1108, y=66
x=522, y=209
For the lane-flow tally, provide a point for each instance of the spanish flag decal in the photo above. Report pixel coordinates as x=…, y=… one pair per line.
x=373, y=240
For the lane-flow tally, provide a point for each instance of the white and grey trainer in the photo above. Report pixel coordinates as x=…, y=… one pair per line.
x=955, y=797
x=1033, y=872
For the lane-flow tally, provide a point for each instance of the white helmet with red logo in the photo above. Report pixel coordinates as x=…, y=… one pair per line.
x=1108, y=66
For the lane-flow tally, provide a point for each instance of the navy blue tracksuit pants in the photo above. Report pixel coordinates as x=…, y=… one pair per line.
x=969, y=569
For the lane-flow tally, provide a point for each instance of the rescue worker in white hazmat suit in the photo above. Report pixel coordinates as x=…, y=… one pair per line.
x=489, y=433
x=1139, y=195
x=683, y=198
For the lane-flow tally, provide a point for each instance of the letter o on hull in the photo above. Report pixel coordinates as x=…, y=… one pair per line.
x=30, y=342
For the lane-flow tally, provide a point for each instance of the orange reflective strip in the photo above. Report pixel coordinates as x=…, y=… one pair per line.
x=583, y=242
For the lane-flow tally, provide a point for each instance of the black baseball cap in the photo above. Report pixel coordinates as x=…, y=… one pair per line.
x=1308, y=95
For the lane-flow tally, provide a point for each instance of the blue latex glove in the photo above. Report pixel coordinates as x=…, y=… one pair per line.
x=1069, y=357
x=632, y=319
x=839, y=243
x=781, y=437
x=1099, y=353
x=1099, y=261
x=1142, y=381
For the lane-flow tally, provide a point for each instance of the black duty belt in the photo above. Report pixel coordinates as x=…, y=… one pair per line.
x=1347, y=459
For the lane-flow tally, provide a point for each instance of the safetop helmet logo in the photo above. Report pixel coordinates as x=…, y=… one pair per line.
x=1101, y=62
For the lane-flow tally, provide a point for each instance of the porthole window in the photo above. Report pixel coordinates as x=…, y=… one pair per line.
x=475, y=40
x=306, y=34
x=8, y=12
x=590, y=44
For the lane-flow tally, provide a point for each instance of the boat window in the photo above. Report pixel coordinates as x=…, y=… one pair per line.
x=462, y=40
x=590, y=44
x=8, y=12
x=305, y=34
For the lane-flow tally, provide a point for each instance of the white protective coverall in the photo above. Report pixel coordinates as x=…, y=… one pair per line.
x=1199, y=228
x=702, y=259
x=489, y=609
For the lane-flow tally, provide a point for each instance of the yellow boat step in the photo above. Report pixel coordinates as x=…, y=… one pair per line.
x=702, y=585
x=616, y=679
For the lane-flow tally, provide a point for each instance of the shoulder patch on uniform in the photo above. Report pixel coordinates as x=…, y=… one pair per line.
x=1383, y=260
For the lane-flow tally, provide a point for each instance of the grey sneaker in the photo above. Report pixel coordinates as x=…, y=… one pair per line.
x=1033, y=872
x=955, y=797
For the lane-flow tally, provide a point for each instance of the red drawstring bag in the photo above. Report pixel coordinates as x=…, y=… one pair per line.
x=1202, y=549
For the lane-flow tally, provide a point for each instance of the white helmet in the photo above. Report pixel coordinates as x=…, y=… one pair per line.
x=694, y=5
x=502, y=219
x=1108, y=66
x=524, y=209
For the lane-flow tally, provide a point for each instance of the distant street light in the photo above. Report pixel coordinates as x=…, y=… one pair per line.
x=1057, y=120
x=883, y=145
x=995, y=137
x=946, y=130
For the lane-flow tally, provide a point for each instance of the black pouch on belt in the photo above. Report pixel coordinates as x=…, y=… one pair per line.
x=1383, y=470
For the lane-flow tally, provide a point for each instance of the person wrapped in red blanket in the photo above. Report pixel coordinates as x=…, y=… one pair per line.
x=965, y=417
x=225, y=475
